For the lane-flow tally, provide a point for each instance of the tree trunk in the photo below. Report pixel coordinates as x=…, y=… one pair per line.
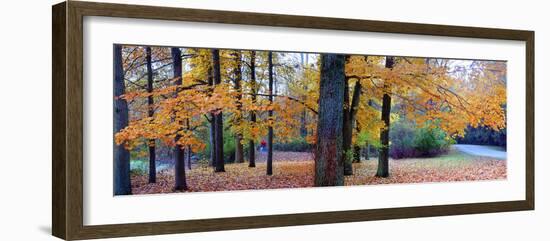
x=367, y=151
x=303, y=123
x=239, y=149
x=346, y=133
x=150, y=113
x=350, y=112
x=218, y=134
x=356, y=154
x=367, y=146
x=122, y=184
x=383, y=156
x=181, y=182
x=189, y=151
x=212, y=140
x=357, y=150
x=189, y=155
x=270, y=114
x=329, y=166
x=251, y=145
x=212, y=123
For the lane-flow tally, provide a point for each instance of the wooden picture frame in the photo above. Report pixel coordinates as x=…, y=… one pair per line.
x=67, y=150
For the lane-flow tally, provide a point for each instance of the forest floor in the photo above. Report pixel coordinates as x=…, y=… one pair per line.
x=298, y=172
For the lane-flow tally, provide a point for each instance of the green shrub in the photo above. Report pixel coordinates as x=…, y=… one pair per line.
x=431, y=141
x=296, y=144
x=409, y=141
x=228, y=146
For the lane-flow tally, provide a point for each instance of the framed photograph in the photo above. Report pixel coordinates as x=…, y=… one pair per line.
x=171, y=120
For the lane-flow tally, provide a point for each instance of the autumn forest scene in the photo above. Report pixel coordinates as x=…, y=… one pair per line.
x=200, y=120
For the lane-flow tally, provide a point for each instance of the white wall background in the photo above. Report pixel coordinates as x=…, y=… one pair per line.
x=25, y=120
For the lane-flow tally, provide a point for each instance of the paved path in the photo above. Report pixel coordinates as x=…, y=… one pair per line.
x=284, y=156
x=478, y=150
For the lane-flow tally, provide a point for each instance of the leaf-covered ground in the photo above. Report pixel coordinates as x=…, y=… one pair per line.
x=299, y=173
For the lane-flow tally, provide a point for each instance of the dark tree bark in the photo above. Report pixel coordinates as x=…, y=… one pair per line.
x=189, y=151
x=239, y=149
x=151, y=112
x=357, y=150
x=356, y=154
x=189, y=155
x=270, y=114
x=181, y=182
x=212, y=126
x=367, y=146
x=218, y=120
x=329, y=165
x=251, y=145
x=122, y=184
x=367, y=151
x=383, y=156
x=354, y=108
x=347, y=132
x=303, y=123
x=350, y=113
x=212, y=142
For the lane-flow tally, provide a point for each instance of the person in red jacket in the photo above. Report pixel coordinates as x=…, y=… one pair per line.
x=263, y=146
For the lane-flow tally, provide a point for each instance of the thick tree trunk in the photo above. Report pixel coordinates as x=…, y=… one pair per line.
x=181, y=182
x=383, y=156
x=251, y=145
x=218, y=120
x=270, y=114
x=122, y=184
x=239, y=149
x=329, y=166
x=150, y=113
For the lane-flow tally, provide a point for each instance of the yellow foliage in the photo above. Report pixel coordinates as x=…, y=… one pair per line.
x=426, y=91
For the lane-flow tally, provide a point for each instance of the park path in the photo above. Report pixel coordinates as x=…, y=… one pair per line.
x=478, y=150
x=285, y=156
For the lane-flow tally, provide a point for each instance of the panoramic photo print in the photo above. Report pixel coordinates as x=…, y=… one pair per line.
x=205, y=120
